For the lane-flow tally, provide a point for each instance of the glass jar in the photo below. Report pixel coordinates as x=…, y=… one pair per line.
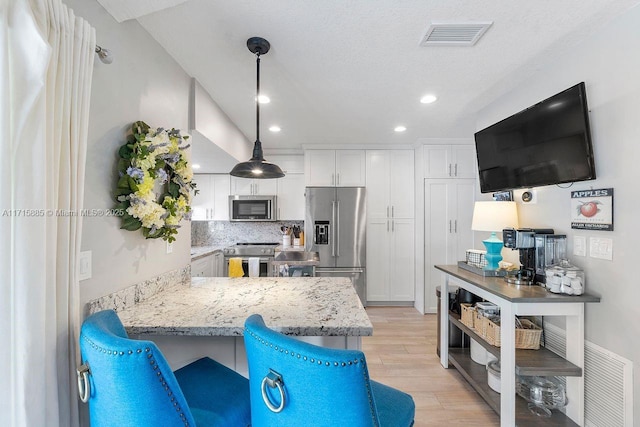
x=565, y=278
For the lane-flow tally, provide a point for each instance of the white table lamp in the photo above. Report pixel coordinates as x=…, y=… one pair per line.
x=493, y=217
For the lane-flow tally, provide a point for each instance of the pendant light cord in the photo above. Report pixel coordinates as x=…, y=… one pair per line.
x=258, y=97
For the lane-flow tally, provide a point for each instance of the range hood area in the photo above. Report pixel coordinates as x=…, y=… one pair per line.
x=217, y=143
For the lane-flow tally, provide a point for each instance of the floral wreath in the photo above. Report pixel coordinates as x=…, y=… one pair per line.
x=154, y=159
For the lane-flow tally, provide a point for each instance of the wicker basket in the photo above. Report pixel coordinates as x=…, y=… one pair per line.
x=526, y=338
x=467, y=314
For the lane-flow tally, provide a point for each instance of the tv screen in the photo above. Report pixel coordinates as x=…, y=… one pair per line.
x=548, y=143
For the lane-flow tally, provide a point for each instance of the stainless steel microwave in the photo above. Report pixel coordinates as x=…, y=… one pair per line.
x=252, y=208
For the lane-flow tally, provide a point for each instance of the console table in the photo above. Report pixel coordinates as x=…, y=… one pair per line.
x=523, y=301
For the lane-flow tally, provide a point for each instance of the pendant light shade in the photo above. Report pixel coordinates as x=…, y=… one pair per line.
x=257, y=167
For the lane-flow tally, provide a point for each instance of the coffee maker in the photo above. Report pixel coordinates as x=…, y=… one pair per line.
x=539, y=248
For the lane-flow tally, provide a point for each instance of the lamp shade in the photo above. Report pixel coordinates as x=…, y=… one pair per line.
x=494, y=216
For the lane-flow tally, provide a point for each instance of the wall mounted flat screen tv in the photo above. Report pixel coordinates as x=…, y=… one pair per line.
x=548, y=143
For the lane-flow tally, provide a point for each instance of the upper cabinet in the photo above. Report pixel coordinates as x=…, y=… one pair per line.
x=291, y=200
x=390, y=184
x=335, y=168
x=253, y=187
x=212, y=200
x=449, y=161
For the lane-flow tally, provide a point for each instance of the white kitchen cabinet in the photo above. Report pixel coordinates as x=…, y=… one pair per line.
x=208, y=266
x=212, y=200
x=253, y=187
x=448, y=210
x=390, y=260
x=291, y=201
x=449, y=161
x=390, y=184
x=335, y=168
x=203, y=267
x=289, y=163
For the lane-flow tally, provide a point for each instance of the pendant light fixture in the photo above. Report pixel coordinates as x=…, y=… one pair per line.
x=257, y=167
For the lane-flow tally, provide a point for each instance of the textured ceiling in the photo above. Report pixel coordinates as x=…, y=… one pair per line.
x=348, y=72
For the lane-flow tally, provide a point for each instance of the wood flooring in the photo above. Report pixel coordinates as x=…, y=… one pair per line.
x=402, y=354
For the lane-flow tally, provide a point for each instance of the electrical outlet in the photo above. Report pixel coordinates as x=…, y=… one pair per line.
x=580, y=245
x=601, y=247
x=169, y=247
x=84, y=265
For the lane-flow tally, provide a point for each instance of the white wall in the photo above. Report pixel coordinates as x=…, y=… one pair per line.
x=142, y=83
x=609, y=63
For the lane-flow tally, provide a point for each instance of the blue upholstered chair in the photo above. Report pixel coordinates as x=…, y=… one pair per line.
x=294, y=383
x=129, y=383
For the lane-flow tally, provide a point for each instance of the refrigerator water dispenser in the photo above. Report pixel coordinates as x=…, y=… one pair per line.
x=321, y=234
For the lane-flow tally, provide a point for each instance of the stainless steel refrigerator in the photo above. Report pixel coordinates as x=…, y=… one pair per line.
x=335, y=227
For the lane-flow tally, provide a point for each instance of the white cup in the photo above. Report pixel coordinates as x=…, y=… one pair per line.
x=286, y=240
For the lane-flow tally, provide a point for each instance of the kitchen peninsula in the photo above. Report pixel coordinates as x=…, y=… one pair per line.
x=206, y=317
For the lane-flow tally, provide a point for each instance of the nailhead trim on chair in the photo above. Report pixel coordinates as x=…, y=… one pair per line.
x=153, y=363
x=335, y=364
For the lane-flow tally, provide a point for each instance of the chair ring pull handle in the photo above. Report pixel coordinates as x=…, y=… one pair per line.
x=273, y=380
x=84, y=390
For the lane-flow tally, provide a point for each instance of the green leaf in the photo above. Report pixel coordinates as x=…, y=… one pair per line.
x=121, y=192
x=125, y=152
x=124, y=182
x=123, y=165
x=130, y=223
x=174, y=189
x=132, y=184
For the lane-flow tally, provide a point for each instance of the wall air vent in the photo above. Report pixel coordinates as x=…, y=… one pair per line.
x=454, y=34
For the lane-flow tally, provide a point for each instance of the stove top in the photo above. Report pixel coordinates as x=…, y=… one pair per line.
x=250, y=249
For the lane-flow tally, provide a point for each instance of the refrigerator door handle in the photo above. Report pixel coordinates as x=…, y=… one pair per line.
x=337, y=228
x=347, y=271
x=333, y=228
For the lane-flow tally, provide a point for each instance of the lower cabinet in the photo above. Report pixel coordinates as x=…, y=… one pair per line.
x=390, y=260
x=209, y=266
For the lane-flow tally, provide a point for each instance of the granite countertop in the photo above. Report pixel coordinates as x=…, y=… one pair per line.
x=198, y=252
x=218, y=306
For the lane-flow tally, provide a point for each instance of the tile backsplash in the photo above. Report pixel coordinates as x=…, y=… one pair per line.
x=214, y=233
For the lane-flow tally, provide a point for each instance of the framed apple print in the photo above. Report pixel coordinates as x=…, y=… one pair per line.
x=592, y=209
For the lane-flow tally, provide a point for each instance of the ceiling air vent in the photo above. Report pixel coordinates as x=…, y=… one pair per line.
x=454, y=34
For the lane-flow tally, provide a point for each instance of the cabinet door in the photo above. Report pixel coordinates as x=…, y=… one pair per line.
x=291, y=199
x=402, y=260
x=378, y=205
x=221, y=187
x=463, y=198
x=202, y=267
x=464, y=161
x=319, y=168
x=402, y=184
x=289, y=163
x=203, y=202
x=218, y=264
x=265, y=187
x=437, y=161
x=378, y=231
x=437, y=236
x=350, y=168
x=241, y=186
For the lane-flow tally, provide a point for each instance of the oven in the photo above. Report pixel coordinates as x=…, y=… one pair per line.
x=263, y=251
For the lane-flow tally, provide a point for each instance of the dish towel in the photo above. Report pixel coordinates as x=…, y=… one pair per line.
x=254, y=267
x=235, y=267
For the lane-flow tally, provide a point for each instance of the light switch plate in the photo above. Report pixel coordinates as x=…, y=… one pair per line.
x=169, y=247
x=84, y=265
x=601, y=247
x=580, y=246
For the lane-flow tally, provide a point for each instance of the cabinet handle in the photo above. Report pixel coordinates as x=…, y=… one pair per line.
x=338, y=179
x=456, y=170
x=449, y=226
x=333, y=179
x=387, y=226
x=392, y=211
x=449, y=169
x=387, y=211
x=455, y=225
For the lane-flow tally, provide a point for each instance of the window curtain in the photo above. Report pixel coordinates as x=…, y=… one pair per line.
x=46, y=65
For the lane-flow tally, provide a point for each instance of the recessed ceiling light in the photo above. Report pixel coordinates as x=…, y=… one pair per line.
x=400, y=128
x=275, y=128
x=195, y=166
x=263, y=99
x=428, y=99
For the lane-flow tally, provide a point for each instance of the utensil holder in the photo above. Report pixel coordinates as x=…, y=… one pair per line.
x=286, y=240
